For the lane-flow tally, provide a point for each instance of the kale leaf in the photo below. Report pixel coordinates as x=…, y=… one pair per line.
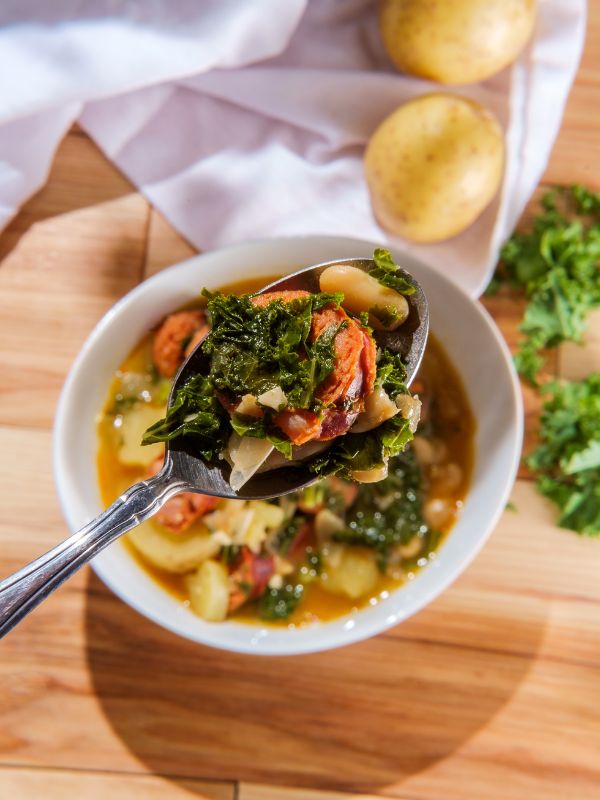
x=254, y=348
x=389, y=512
x=556, y=265
x=195, y=412
x=279, y=604
x=391, y=373
x=363, y=451
x=386, y=272
x=567, y=461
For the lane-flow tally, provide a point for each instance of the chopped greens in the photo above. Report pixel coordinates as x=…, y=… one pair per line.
x=321, y=495
x=278, y=604
x=258, y=348
x=285, y=537
x=567, y=461
x=254, y=348
x=363, y=451
x=386, y=315
x=389, y=512
x=195, y=412
x=391, y=374
x=556, y=265
x=386, y=272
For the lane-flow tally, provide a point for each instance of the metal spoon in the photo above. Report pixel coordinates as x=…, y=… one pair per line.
x=183, y=471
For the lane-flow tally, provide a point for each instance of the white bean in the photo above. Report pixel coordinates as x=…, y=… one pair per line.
x=437, y=512
x=362, y=293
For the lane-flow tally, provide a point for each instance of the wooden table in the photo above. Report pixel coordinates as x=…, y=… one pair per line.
x=491, y=692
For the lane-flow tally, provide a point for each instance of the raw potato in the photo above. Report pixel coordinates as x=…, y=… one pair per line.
x=455, y=41
x=174, y=552
x=209, y=591
x=433, y=165
x=353, y=574
x=134, y=424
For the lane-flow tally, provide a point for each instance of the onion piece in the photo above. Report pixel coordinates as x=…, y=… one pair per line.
x=274, y=398
x=246, y=454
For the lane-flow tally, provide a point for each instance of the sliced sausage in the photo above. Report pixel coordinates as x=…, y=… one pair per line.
x=172, y=339
x=181, y=511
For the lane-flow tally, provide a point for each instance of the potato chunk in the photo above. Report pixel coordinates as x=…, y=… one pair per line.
x=353, y=573
x=209, y=591
x=173, y=552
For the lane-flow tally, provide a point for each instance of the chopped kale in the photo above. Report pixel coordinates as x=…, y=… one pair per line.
x=387, y=315
x=556, y=265
x=567, y=461
x=363, y=451
x=386, y=272
x=254, y=348
x=279, y=604
x=286, y=535
x=391, y=374
x=195, y=412
x=389, y=512
x=321, y=495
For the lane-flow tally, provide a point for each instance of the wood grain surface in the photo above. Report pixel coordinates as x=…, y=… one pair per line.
x=493, y=691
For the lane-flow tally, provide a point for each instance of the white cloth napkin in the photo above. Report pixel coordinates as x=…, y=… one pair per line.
x=240, y=120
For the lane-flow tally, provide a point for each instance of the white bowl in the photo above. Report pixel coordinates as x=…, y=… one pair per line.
x=474, y=345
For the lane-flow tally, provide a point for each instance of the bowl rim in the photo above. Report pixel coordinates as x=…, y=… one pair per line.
x=347, y=634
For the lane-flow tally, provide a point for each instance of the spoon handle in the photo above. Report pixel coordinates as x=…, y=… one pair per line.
x=21, y=592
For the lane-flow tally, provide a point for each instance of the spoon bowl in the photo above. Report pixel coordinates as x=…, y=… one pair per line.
x=213, y=477
x=183, y=470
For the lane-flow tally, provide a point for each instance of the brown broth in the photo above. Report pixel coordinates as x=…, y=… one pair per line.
x=451, y=422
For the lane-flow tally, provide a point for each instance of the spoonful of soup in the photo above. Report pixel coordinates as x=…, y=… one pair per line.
x=308, y=377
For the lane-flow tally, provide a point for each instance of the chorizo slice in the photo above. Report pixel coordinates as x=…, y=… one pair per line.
x=262, y=300
x=172, y=338
x=300, y=426
x=181, y=511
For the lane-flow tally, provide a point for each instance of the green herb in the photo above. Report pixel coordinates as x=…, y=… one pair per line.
x=510, y=506
x=321, y=495
x=556, y=265
x=195, y=412
x=230, y=554
x=312, y=567
x=123, y=403
x=387, y=315
x=286, y=535
x=386, y=272
x=391, y=374
x=279, y=604
x=254, y=348
x=389, y=512
x=568, y=459
x=363, y=451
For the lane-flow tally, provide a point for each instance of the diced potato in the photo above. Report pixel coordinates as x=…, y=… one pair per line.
x=174, y=552
x=266, y=518
x=209, y=591
x=354, y=575
x=134, y=424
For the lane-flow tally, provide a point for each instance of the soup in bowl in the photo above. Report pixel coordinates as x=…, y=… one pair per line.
x=334, y=563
